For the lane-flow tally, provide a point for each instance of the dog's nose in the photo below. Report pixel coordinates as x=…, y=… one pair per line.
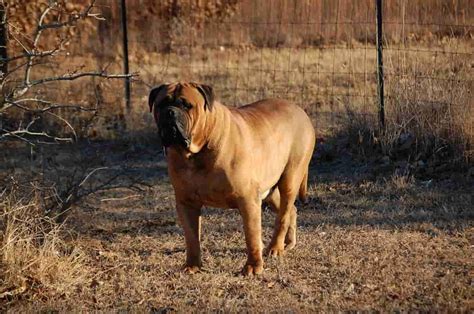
x=171, y=113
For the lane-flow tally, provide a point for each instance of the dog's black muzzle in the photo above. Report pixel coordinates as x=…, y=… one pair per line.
x=172, y=127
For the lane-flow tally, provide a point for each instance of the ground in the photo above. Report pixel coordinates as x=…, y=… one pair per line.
x=368, y=239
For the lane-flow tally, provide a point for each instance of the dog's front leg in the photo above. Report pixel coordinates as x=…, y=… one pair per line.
x=190, y=218
x=252, y=219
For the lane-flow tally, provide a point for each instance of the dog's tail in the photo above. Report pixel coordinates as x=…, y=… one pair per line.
x=303, y=192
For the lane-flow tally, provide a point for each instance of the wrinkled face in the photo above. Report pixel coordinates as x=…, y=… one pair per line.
x=173, y=121
x=179, y=110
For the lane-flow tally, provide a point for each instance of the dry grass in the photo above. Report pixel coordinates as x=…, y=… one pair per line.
x=367, y=240
x=429, y=99
x=401, y=181
x=35, y=261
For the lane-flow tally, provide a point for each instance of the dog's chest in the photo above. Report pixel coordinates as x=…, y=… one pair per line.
x=209, y=186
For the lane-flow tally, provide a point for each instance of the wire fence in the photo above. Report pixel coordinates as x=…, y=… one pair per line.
x=320, y=54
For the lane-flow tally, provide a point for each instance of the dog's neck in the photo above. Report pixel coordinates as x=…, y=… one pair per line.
x=217, y=136
x=215, y=139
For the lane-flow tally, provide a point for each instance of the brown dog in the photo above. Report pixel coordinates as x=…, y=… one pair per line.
x=234, y=158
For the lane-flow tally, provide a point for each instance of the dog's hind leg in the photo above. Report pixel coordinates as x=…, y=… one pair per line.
x=288, y=186
x=273, y=200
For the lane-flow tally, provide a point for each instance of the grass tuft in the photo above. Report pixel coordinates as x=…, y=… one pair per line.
x=34, y=258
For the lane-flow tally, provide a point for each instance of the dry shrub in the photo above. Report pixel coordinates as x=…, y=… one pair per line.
x=426, y=131
x=34, y=258
x=433, y=131
x=429, y=117
x=359, y=131
x=429, y=108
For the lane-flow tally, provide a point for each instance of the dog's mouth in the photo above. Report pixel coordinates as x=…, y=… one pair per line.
x=172, y=128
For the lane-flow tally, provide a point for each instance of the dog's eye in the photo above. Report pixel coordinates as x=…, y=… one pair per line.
x=187, y=105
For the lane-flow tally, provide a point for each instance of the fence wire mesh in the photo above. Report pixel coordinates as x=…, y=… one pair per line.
x=320, y=54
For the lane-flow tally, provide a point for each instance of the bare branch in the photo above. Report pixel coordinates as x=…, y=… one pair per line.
x=72, y=19
x=21, y=133
x=30, y=55
x=10, y=72
x=6, y=60
x=90, y=174
x=37, y=36
x=65, y=122
x=71, y=77
x=19, y=42
x=51, y=105
x=39, y=30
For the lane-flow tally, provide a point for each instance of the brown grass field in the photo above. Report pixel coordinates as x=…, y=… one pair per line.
x=390, y=221
x=369, y=239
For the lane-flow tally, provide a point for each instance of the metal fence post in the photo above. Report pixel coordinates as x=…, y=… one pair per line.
x=3, y=40
x=380, y=77
x=125, y=53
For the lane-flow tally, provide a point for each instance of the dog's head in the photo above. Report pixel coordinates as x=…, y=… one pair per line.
x=180, y=111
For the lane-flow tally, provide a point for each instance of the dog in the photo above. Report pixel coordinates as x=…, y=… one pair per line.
x=230, y=157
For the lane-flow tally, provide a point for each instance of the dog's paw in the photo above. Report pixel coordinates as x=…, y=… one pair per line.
x=290, y=245
x=290, y=240
x=250, y=270
x=275, y=251
x=191, y=269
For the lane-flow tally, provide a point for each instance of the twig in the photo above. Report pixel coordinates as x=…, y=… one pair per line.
x=51, y=105
x=71, y=77
x=119, y=198
x=65, y=122
x=37, y=36
x=91, y=173
x=72, y=19
x=21, y=133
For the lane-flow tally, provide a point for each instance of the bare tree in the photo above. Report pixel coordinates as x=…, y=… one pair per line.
x=31, y=95
x=22, y=92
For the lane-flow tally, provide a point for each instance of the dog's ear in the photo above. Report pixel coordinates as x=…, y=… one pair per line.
x=153, y=94
x=208, y=94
